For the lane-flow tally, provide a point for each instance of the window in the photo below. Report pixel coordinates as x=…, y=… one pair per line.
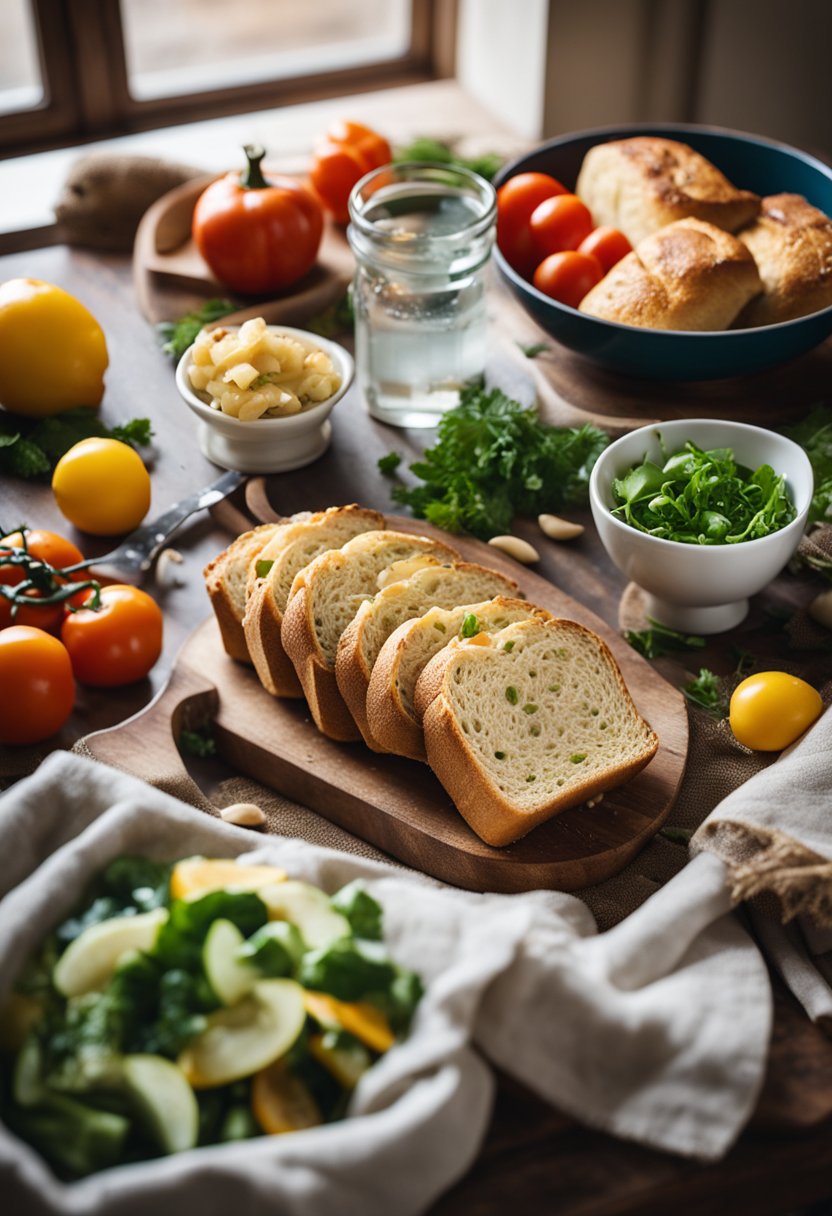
x=76, y=70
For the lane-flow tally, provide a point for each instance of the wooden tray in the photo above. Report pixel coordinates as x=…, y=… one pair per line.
x=171, y=278
x=397, y=804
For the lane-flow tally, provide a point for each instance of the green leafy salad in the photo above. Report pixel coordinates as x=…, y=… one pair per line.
x=702, y=498
x=195, y=1004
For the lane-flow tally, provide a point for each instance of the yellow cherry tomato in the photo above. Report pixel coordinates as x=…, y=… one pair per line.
x=771, y=709
x=54, y=350
x=102, y=486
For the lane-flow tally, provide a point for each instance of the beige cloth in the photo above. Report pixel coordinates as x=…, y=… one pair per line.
x=656, y=1031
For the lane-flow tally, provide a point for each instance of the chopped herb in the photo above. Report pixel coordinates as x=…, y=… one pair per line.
x=499, y=755
x=577, y=757
x=554, y=688
x=32, y=447
x=702, y=497
x=676, y=835
x=199, y=742
x=529, y=708
x=438, y=625
x=470, y=625
x=706, y=691
x=494, y=459
x=531, y=777
x=660, y=640
x=536, y=348
x=389, y=463
x=177, y=336
x=534, y=730
x=425, y=148
x=262, y=566
x=511, y=695
x=814, y=434
x=509, y=646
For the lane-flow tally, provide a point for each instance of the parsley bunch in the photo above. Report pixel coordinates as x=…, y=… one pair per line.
x=32, y=448
x=495, y=459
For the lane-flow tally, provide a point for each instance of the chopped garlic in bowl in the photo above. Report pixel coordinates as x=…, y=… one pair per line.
x=255, y=372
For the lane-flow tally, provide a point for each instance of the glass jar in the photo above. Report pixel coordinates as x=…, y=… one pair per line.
x=421, y=235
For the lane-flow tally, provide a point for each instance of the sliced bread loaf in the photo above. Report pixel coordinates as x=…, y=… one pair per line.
x=533, y=723
x=391, y=716
x=270, y=577
x=324, y=598
x=361, y=641
x=225, y=581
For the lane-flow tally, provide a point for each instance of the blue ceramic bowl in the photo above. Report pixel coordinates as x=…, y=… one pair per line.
x=748, y=161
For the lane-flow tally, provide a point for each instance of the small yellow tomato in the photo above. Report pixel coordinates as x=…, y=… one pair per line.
x=54, y=350
x=102, y=486
x=771, y=709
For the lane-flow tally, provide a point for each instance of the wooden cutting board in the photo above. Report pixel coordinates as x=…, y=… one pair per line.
x=398, y=804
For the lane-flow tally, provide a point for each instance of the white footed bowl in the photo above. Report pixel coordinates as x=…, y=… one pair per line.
x=267, y=445
x=700, y=588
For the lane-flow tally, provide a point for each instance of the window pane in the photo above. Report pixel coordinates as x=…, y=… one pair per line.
x=21, y=87
x=189, y=46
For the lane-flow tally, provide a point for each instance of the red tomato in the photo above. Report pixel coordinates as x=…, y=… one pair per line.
x=341, y=158
x=516, y=200
x=258, y=234
x=117, y=643
x=559, y=223
x=568, y=276
x=608, y=245
x=48, y=547
x=36, y=687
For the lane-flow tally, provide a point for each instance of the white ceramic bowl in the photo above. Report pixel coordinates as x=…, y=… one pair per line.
x=700, y=588
x=267, y=445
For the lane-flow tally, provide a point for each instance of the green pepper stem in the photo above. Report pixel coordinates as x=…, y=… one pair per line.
x=252, y=177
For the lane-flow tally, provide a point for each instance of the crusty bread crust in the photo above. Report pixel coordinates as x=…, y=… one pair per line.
x=491, y=814
x=235, y=559
x=262, y=628
x=390, y=720
x=791, y=242
x=317, y=680
x=641, y=184
x=688, y=276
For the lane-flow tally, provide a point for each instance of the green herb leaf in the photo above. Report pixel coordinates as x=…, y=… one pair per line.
x=676, y=835
x=198, y=742
x=470, y=625
x=177, y=336
x=389, y=463
x=361, y=910
x=31, y=448
x=707, y=692
x=659, y=640
x=814, y=434
x=535, y=349
x=262, y=566
x=427, y=149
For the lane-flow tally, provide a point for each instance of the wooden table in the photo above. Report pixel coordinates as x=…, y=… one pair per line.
x=534, y=1159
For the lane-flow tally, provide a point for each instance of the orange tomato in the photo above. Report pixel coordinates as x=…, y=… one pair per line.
x=36, y=686
x=608, y=245
x=771, y=709
x=559, y=223
x=568, y=276
x=117, y=643
x=516, y=200
x=47, y=547
x=346, y=152
x=258, y=234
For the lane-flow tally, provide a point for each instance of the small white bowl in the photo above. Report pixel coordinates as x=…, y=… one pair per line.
x=700, y=588
x=267, y=445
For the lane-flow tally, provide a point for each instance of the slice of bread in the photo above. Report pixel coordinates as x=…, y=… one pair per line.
x=361, y=641
x=324, y=598
x=391, y=716
x=289, y=549
x=225, y=581
x=533, y=723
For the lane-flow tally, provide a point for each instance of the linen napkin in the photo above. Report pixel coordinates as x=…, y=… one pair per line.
x=655, y=1031
x=774, y=837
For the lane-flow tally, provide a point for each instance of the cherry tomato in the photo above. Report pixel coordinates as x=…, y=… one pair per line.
x=341, y=158
x=119, y=642
x=36, y=686
x=771, y=709
x=48, y=547
x=102, y=486
x=516, y=200
x=258, y=234
x=568, y=276
x=559, y=223
x=608, y=245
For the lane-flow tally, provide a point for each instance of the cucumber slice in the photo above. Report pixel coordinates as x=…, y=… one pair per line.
x=246, y=1037
x=89, y=961
x=229, y=977
x=307, y=907
x=164, y=1101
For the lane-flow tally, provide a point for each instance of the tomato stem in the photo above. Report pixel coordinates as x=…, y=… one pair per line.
x=252, y=177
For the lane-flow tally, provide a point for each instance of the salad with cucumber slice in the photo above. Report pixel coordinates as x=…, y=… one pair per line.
x=194, y=1003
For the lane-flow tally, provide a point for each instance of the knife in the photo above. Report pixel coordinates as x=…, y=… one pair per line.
x=134, y=556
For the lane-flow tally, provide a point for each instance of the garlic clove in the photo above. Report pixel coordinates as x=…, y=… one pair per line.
x=559, y=529
x=517, y=548
x=244, y=815
x=820, y=609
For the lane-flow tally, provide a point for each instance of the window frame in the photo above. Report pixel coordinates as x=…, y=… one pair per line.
x=84, y=70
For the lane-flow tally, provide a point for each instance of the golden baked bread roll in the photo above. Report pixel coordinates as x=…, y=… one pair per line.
x=689, y=275
x=639, y=185
x=791, y=242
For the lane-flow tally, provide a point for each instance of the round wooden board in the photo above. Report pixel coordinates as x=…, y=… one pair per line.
x=397, y=804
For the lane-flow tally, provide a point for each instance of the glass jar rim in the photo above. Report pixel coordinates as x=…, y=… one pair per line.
x=435, y=172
